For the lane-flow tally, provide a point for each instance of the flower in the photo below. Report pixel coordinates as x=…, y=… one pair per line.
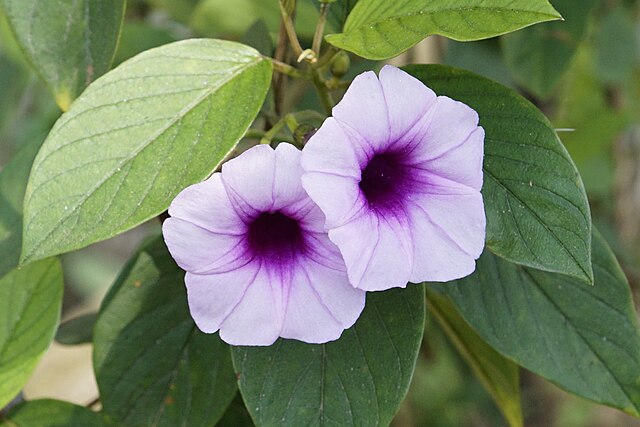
x=397, y=172
x=259, y=263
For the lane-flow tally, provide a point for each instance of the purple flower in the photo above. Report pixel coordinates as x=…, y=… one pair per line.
x=258, y=260
x=397, y=172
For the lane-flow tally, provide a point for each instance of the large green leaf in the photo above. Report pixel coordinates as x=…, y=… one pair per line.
x=30, y=303
x=536, y=206
x=69, y=43
x=381, y=29
x=499, y=376
x=583, y=338
x=136, y=137
x=51, y=413
x=539, y=56
x=13, y=182
x=153, y=366
x=359, y=379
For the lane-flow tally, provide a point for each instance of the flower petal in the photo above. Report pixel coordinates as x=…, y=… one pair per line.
x=470, y=154
x=258, y=317
x=448, y=235
x=377, y=251
x=339, y=198
x=363, y=108
x=250, y=180
x=408, y=100
x=451, y=125
x=331, y=150
x=207, y=205
x=200, y=251
x=213, y=297
x=322, y=304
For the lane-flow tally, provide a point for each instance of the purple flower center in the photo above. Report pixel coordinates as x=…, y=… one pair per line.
x=384, y=181
x=275, y=236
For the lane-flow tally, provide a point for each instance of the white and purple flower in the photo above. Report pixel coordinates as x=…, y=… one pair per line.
x=258, y=260
x=397, y=172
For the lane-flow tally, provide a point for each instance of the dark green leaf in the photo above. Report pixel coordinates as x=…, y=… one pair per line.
x=236, y=415
x=499, y=376
x=51, y=413
x=338, y=12
x=78, y=330
x=359, y=379
x=153, y=366
x=583, y=338
x=70, y=44
x=136, y=137
x=539, y=56
x=13, y=182
x=380, y=29
x=30, y=303
x=536, y=206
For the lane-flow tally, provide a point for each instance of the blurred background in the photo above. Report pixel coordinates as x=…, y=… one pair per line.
x=583, y=73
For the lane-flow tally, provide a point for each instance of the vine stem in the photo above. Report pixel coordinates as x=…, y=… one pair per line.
x=287, y=69
x=290, y=30
x=317, y=36
x=323, y=92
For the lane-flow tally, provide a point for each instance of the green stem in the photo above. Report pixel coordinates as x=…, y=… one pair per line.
x=317, y=36
x=290, y=29
x=323, y=92
x=287, y=69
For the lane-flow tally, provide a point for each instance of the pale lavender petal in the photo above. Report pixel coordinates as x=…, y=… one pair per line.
x=200, y=251
x=207, y=205
x=452, y=123
x=322, y=304
x=408, y=100
x=363, y=109
x=288, y=171
x=250, y=180
x=470, y=153
x=448, y=235
x=377, y=251
x=331, y=151
x=338, y=197
x=258, y=317
x=213, y=297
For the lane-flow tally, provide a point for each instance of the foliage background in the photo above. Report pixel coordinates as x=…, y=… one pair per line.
x=584, y=74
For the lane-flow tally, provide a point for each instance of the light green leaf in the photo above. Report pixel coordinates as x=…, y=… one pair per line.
x=136, y=137
x=69, y=43
x=30, y=303
x=153, y=366
x=51, y=413
x=537, y=210
x=13, y=182
x=583, y=338
x=539, y=56
x=499, y=376
x=381, y=29
x=359, y=379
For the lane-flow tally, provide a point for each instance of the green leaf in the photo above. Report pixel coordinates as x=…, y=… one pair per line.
x=359, y=379
x=153, y=366
x=51, y=413
x=338, y=12
x=136, y=137
x=536, y=206
x=499, y=376
x=30, y=303
x=236, y=415
x=13, y=182
x=583, y=338
x=69, y=43
x=617, y=46
x=78, y=330
x=539, y=56
x=380, y=29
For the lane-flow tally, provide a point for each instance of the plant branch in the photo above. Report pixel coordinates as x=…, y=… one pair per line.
x=323, y=91
x=289, y=28
x=287, y=69
x=317, y=36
